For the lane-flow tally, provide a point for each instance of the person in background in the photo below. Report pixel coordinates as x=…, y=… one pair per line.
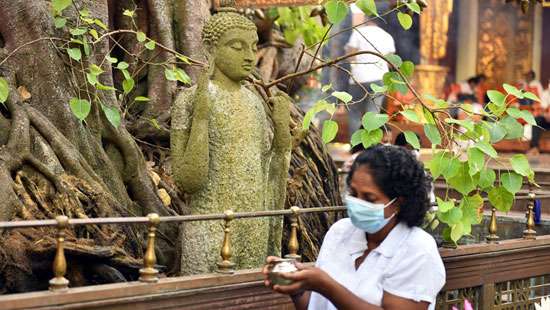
x=543, y=122
x=365, y=68
x=378, y=258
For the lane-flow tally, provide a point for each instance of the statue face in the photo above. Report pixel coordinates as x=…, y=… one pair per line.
x=235, y=53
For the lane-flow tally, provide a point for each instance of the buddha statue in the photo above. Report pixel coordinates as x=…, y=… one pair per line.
x=230, y=151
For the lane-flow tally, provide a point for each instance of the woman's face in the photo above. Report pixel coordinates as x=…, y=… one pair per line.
x=363, y=187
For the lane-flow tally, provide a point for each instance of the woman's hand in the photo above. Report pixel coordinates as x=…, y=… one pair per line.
x=305, y=279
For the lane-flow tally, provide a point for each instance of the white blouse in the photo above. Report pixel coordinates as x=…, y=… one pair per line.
x=406, y=264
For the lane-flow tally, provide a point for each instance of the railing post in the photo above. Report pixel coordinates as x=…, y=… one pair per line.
x=59, y=282
x=226, y=266
x=487, y=298
x=293, y=244
x=148, y=273
x=529, y=232
x=493, y=237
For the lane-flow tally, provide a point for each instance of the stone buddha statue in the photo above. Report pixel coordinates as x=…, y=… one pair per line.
x=230, y=151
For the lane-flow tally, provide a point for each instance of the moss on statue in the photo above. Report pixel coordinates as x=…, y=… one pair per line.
x=227, y=153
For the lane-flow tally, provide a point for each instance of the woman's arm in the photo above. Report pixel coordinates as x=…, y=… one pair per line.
x=190, y=150
x=315, y=279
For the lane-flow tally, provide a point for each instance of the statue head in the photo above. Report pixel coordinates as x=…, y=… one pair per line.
x=231, y=40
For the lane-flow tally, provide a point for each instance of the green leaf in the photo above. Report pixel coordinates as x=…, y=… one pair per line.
x=405, y=20
x=307, y=118
x=356, y=137
x=182, y=76
x=59, y=5
x=432, y=133
x=95, y=69
x=486, y=148
x=78, y=31
x=497, y=131
x=395, y=60
x=496, y=109
x=326, y=87
x=122, y=65
x=100, y=24
x=59, y=22
x=496, y=97
x=530, y=95
x=501, y=199
x=511, y=181
x=457, y=231
x=110, y=59
x=154, y=123
x=466, y=123
x=452, y=216
x=514, y=130
x=367, y=6
x=128, y=85
x=94, y=34
x=126, y=74
x=104, y=87
x=377, y=88
x=141, y=36
x=412, y=139
x=128, y=13
x=520, y=164
x=343, y=96
x=112, y=114
x=487, y=178
x=445, y=165
x=86, y=47
x=184, y=59
x=407, y=68
x=74, y=53
x=413, y=6
x=410, y=115
x=170, y=74
x=4, y=90
x=470, y=206
x=369, y=138
x=92, y=79
x=476, y=160
x=80, y=108
x=372, y=121
x=337, y=11
x=463, y=182
x=444, y=206
x=524, y=114
x=512, y=90
x=330, y=128
x=150, y=45
x=141, y=98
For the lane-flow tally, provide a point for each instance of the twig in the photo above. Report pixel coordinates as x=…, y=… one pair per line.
x=29, y=43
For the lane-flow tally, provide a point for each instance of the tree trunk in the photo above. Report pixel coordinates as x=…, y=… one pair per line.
x=51, y=163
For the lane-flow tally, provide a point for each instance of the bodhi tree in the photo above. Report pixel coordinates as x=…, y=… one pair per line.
x=85, y=94
x=85, y=90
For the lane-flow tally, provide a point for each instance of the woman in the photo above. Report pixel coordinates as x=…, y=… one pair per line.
x=378, y=258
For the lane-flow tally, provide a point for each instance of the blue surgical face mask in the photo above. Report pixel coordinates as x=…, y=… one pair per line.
x=367, y=216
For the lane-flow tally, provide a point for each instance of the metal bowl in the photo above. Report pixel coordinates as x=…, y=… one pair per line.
x=281, y=266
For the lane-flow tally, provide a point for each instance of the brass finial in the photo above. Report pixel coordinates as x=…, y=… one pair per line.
x=59, y=282
x=226, y=266
x=148, y=273
x=293, y=244
x=493, y=237
x=529, y=232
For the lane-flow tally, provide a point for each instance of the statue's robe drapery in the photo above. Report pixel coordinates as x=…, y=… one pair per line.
x=245, y=174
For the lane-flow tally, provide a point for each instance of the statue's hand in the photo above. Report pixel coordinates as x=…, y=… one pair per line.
x=281, y=118
x=201, y=93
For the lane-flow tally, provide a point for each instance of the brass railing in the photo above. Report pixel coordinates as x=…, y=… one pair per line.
x=149, y=274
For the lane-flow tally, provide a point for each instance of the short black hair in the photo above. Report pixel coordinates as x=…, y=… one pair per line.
x=398, y=174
